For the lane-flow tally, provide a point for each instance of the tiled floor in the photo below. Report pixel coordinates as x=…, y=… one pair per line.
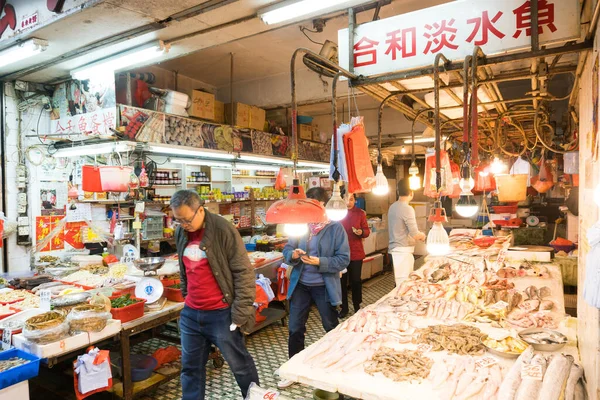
x=267, y=346
x=269, y=349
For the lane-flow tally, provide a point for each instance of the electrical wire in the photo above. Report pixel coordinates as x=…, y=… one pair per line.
x=303, y=29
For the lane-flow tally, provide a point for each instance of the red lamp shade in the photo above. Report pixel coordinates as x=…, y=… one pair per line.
x=437, y=213
x=296, y=209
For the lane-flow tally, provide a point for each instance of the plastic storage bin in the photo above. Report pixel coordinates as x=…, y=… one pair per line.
x=512, y=187
x=141, y=366
x=20, y=373
x=129, y=313
x=173, y=294
x=152, y=228
x=250, y=246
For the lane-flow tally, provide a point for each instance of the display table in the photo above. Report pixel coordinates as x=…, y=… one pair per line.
x=358, y=384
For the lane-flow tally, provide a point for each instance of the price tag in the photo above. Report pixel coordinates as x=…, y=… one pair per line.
x=499, y=305
x=485, y=362
x=403, y=317
x=424, y=348
x=271, y=395
x=140, y=206
x=45, y=300
x=529, y=371
x=7, y=339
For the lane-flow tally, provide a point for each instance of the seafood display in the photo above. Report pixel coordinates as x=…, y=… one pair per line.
x=458, y=338
x=405, y=365
x=543, y=336
x=14, y=296
x=460, y=378
x=524, y=269
x=5, y=365
x=508, y=345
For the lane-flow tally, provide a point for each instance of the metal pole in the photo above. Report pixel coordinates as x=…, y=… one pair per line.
x=438, y=136
x=535, y=33
x=336, y=173
x=466, y=101
x=231, y=89
x=351, y=23
x=473, y=131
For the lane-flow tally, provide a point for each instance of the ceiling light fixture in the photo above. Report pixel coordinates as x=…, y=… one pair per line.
x=186, y=151
x=414, y=181
x=308, y=164
x=21, y=51
x=202, y=163
x=269, y=160
x=93, y=149
x=497, y=166
x=105, y=68
x=302, y=9
x=336, y=207
x=381, y=183
x=438, y=243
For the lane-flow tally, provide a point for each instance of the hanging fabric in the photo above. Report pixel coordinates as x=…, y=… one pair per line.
x=429, y=183
x=361, y=178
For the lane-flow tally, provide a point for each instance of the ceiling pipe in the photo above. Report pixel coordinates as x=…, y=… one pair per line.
x=594, y=22
x=473, y=110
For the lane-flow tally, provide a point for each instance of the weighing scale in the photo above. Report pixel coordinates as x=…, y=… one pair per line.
x=150, y=287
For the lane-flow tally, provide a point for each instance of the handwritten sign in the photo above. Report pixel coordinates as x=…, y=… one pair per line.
x=45, y=300
x=499, y=305
x=485, y=362
x=529, y=371
x=7, y=339
x=271, y=395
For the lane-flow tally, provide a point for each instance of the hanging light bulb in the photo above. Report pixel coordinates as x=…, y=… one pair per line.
x=497, y=166
x=414, y=182
x=466, y=205
x=466, y=184
x=381, y=184
x=336, y=208
x=438, y=243
x=403, y=150
x=295, y=230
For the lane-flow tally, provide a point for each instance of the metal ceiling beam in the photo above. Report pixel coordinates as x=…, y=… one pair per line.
x=456, y=66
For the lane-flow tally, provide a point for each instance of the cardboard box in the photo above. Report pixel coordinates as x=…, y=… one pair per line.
x=257, y=118
x=219, y=112
x=241, y=115
x=305, y=132
x=203, y=105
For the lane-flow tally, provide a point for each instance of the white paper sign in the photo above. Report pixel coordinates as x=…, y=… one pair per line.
x=45, y=300
x=485, y=362
x=412, y=40
x=6, y=339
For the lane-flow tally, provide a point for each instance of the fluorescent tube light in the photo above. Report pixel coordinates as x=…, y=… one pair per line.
x=423, y=140
x=21, y=51
x=257, y=167
x=311, y=171
x=269, y=160
x=309, y=164
x=106, y=67
x=181, y=151
x=205, y=163
x=302, y=9
x=93, y=149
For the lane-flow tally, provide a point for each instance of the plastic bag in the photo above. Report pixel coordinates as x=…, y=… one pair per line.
x=521, y=167
x=283, y=283
x=483, y=182
x=280, y=181
x=100, y=375
x=260, y=303
x=360, y=172
x=342, y=166
x=545, y=180
x=88, y=318
x=429, y=184
x=166, y=355
x=265, y=283
x=455, y=169
x=45, y=336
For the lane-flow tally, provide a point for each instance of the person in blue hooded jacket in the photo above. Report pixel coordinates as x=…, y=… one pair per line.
x=317, y=260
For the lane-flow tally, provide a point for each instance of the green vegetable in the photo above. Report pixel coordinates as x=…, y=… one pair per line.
x=176, y=286
x=123, y=301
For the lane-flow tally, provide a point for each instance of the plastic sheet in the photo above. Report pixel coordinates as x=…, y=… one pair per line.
x=88, y=318
x=48, y=335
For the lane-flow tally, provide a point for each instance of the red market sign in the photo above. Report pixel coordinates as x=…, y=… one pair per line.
x=412, y=40
x=18, y=16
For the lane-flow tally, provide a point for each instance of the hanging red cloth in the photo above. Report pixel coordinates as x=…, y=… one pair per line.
x=282, y=284
x=261, y=302
x=455, y=192
x=361, y=178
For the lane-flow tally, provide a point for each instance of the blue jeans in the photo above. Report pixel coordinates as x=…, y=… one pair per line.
x=300, y=303
x=200, y=329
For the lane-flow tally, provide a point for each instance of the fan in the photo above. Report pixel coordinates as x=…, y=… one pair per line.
x=328, y=51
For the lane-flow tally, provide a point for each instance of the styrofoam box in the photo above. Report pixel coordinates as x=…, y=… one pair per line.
x=51, y=349
x=383, y=240
x=17, y=391
x=376, y=264
x=113, y=326
x=366, y=269
x=370, y=244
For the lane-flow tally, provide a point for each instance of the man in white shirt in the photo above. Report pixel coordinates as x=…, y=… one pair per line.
x=403, y=231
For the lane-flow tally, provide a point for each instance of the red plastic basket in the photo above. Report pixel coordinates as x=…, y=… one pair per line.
x=129, y=291
x=173, y=294
x=512, y=209
x=169, y=282
x=129, y=313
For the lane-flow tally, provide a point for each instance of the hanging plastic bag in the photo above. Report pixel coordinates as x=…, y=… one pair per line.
x=545, y=180
x=521, y=167
x=92, y=377
x=455, y=169
x=344, y=129
x=144, y=181
x=260, y=303
x=90, y=179
x=280, y=181
x=360, y=172
x=429, y=184
x=283, y=283
x=484, y=180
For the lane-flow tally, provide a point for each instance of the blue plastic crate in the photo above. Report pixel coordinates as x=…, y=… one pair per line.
x=20, y=373
x=250, y=246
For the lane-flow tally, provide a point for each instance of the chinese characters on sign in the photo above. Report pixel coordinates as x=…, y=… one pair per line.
x=44, y=227
x=412, y=40
x=95, y=123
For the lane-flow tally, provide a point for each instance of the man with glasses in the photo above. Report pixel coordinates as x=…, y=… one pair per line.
x=218, y=284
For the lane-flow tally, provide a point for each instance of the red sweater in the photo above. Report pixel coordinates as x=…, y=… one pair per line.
x=358, y=219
